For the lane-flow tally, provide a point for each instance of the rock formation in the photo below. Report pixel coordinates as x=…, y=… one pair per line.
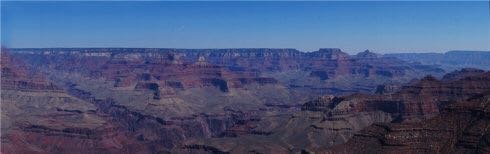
x=462, y=127
x=129, y=100
x=409, y=120
x=329, y=70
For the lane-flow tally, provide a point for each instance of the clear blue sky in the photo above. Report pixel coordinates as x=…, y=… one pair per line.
x=352, y=26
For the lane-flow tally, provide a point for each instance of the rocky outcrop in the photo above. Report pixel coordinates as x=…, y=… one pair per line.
x=461, y=128
x=323, y=103
x=418, y=101
x=430, y=95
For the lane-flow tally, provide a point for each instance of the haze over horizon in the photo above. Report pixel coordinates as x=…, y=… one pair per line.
x=381, y=27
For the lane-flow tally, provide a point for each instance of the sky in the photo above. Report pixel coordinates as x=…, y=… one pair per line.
x=382, y=26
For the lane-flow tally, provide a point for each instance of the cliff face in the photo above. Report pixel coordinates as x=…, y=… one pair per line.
x=417, y=101
x=430, y=95
x=462, y=127
x=431, y=116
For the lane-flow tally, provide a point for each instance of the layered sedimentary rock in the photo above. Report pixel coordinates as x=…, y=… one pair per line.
x=331, y=120
x=327, y=70
x=419, y=100
x=189, y=81
x=462, y=127
x=39, y=117
x=210, y=100
x=16, y=76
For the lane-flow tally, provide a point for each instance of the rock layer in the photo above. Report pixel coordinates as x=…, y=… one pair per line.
x=461, y=128
x=211, y=100
x=329, y=69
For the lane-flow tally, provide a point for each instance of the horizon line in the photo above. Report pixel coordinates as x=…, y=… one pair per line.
x=275, y=48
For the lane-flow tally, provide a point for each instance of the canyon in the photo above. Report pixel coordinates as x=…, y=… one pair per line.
x=151, y=100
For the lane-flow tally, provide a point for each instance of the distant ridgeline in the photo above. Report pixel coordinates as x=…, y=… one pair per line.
x=451, y=60
x=328, y=70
